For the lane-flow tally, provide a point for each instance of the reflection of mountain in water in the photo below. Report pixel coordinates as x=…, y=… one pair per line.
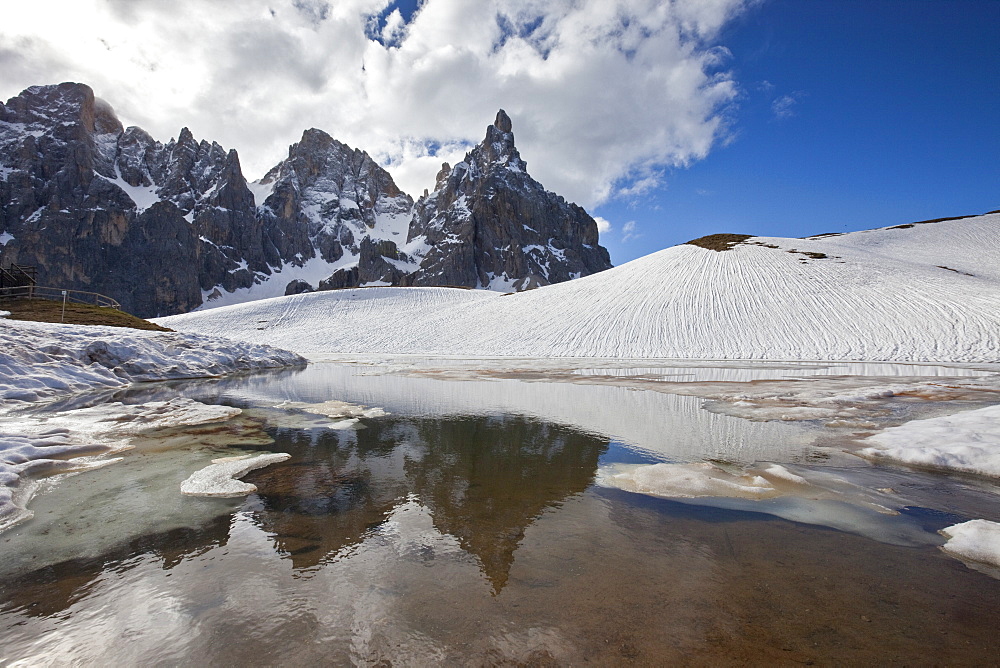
x=337, y=486
x=486, y=479
x=483, y=479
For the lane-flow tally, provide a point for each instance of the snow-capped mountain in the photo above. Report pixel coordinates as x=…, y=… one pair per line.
x=347, y=206
x=166, y=228
x=922, y=292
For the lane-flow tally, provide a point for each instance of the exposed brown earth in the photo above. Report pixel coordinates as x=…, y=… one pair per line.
x=718, y=242
x=45, y=310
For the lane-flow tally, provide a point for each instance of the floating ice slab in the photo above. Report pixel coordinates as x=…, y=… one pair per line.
x=968, y=442
x=335, y=409
x=302, y=415
x=690, y=480
x=220, y=479
x=813, y=498
x=975, y=540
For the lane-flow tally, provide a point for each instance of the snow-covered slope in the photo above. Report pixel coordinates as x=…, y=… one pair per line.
x=923, y=293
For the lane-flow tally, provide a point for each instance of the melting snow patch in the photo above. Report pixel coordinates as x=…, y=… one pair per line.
x=334, y=409
x=6, y=237
x=822, y=499
x=143, y=196
x=220, y=479
x=975, y=540
x=968, y=442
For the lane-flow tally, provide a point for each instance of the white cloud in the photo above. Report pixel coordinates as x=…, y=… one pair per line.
x=784, y=106
x=603, y=225
x=628, y=232
x=603, y=93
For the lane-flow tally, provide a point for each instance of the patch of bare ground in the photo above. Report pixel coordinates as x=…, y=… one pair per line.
x=718, y=242
x=46, y=310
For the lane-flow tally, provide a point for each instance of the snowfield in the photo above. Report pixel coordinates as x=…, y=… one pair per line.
x=968, y=442
x=921, y=293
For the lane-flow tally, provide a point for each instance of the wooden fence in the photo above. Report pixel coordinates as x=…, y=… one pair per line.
x=56, y=294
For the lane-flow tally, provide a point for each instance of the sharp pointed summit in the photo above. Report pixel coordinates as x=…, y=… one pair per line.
x=502, y=123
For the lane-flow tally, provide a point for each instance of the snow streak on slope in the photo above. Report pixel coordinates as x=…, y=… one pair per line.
x=877, y=295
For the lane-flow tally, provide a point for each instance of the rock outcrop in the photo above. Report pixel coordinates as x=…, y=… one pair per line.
x=163, y=228
x=101, y=208
x=488, y=224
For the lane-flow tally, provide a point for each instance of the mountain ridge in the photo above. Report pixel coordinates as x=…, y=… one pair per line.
x=166, y=228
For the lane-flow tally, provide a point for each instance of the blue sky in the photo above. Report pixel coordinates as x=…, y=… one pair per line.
x=853, y=114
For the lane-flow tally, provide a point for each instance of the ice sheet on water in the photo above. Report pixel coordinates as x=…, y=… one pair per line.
x=689, y=480
x=807, y=496
x=33, y=445
x=332, y=414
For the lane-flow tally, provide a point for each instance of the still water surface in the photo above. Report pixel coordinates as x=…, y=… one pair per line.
x=469, y=526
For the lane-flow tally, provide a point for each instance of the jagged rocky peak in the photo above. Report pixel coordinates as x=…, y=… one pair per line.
x=99, y=207
x=69, y=104
x=498, y=147
x=338, y=195
x=488, y=224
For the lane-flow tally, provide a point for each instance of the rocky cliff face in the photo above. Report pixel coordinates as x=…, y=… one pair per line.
x=343, y=202
x=164, y=228
x=488, y=224
x=97, y=207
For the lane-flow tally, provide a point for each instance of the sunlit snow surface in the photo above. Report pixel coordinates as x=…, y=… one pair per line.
x=968, y=442
x=925, y=293
x=39, y=361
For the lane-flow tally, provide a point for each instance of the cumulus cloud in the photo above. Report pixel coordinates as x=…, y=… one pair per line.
x=603, y=225
x=604, y=94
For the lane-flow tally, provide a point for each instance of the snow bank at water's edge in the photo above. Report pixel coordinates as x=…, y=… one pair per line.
x=40, y=361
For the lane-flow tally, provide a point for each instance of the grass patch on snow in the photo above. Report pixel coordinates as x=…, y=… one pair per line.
x=47, y=310
x=718, y=242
